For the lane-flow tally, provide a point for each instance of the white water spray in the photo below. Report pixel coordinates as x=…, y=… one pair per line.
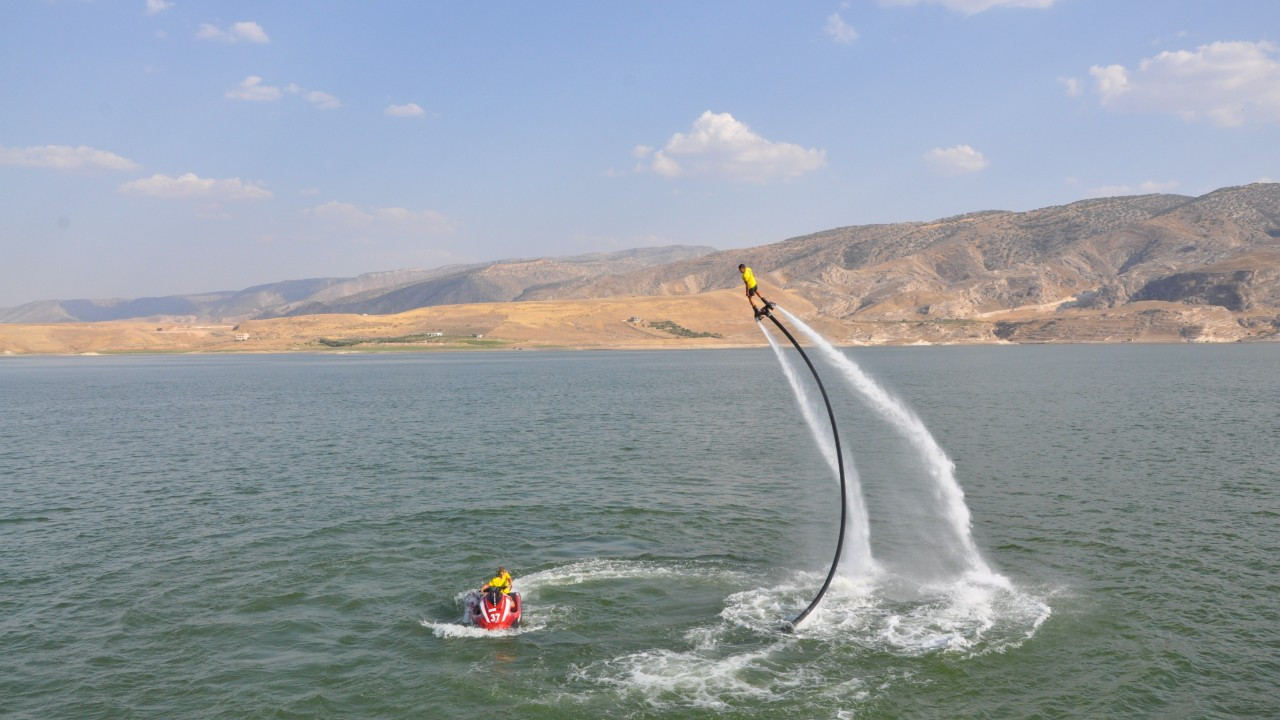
x=946, y=491
x=856, y=559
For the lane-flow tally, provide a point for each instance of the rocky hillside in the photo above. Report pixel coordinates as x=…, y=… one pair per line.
x=497, y=282
x=1220, y=249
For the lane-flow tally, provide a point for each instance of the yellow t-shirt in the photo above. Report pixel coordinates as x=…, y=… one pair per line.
x=502, y=582
x=749, y=278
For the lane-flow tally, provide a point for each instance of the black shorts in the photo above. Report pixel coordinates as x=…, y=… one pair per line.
x=753, y=291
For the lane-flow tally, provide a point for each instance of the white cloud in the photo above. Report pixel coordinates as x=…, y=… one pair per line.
x=155, y=7
x=341, y=213
x=1072, y=86
x=323, y=100
x=64, y=157
x=839, y=30
x=1225, y=83
x=237, y=33
x=972, y=7
x=958, y=160
x=1110, y=82
x=407, y=110
x=1146, y=188
x=251, y=88
x=720, y=146
x=190, y=186
x=319, y=100
x=388, y=219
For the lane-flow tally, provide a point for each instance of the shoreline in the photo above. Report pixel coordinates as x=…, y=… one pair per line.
x=682, y=322
x=7, y=355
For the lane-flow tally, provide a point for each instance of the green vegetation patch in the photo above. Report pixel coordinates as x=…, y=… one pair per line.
x=418, y=339
x=680, y=330
x=341, y=342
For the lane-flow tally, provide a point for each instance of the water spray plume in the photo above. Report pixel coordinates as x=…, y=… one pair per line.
x=856, y=560
x=939, y=467
x=844, y=506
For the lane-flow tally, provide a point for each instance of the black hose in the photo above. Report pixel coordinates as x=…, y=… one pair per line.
x=790, y=625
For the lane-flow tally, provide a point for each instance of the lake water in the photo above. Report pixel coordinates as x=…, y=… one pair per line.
x=291, y=536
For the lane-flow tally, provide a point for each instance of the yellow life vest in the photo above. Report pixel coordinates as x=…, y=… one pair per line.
x=502, y=582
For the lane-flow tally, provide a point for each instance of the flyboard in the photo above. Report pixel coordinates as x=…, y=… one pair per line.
x=790, y=625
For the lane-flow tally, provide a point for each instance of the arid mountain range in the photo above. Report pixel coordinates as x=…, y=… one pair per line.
x=1134, y=268
x=1220, y=249
x=380, y=292
x=1211, y=265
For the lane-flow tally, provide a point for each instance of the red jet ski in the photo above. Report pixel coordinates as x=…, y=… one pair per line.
x=493, y=610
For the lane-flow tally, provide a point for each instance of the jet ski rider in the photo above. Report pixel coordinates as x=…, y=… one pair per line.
x=500, y=582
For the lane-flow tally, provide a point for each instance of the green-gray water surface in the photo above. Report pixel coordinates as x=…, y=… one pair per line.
x=291, y=536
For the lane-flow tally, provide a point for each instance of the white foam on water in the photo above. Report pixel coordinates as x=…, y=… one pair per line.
x=975, y=614
x=877, y=613
x=698, y=678
x=606, y=569
x=743, y=657
x=694, y=678
x=460, y=630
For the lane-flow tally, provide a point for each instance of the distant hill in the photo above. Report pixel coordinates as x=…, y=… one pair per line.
x=496, y=282
x=375, y=293
x=212, y=306
x=1219, y=249
x=1205, y=266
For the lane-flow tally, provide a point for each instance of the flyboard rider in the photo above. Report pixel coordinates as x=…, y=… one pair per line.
x=753, y=290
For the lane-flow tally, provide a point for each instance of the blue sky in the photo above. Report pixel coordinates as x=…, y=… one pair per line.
x=152, y=147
